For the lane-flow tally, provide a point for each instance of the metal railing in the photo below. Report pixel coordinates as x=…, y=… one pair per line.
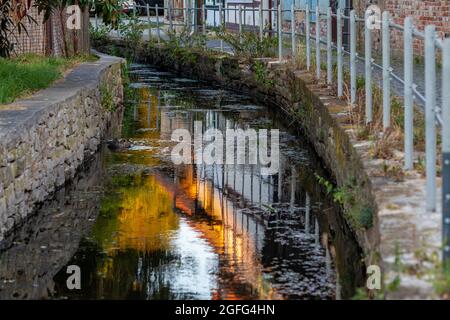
x=249, y=19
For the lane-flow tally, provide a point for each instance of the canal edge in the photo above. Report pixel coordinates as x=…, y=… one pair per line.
x=389, y=218
x=46, y=138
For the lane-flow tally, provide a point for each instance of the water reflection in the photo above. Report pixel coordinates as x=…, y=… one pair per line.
x=32, y=255
x=202, y=231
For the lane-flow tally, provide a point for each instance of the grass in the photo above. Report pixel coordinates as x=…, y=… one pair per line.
x=25, y=74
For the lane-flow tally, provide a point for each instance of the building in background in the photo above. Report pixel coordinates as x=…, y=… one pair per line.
x=250, y=16
x=435, y=12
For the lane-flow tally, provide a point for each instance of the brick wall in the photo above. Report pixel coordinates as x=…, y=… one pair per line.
x=436, y=12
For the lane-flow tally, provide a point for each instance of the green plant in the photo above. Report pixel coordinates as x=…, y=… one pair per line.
x=393, y=171
x=249, y=45
x=441, y=277
x=360, y=83
x=269, y=208
x=442, y=284
x=383, y=147
x=325, y=183
x=185, y=39
x=131, y=30
x=100, y=34
x=107, y=99
x=339, y=196
x=183, y=46
x=260, y=71
x=348, y=197
x=110, y=11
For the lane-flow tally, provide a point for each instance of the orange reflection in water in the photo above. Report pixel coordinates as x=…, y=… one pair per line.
x=147, y=216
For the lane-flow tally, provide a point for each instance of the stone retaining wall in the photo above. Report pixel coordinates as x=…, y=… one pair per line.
x=44, y=139
x=44, y=245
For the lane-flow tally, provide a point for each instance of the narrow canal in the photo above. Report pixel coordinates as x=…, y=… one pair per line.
x=140, y=227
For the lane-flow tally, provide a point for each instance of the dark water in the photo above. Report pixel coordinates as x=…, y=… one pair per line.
x=141, y=228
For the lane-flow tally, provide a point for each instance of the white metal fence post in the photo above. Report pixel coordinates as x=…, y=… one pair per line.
x=149, y=22
x=368, y=65
x=280, y=34
x=194, y=15
x=308, y=39
x=240, y=24
x=446, y=150
x=158, y=31
x=340, y=72
x=261, y=22
x=408, y=93
x=253, y=18
x=214, y=17
x=189, y=12
x=329, y=51
x=293, y=36
x=222, y=24
x=352, y=57
x=170, y=17
x=430, y=116
x=185, y=13
x=317, y=42
x=204, y=18
x=386, y=71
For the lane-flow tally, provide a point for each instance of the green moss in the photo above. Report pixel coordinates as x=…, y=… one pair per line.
x=107, y=99
x=366, y=217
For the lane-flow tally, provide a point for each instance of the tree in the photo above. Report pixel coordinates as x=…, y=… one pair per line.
x=110, y=11
x=13, y=14
x=47, y=7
